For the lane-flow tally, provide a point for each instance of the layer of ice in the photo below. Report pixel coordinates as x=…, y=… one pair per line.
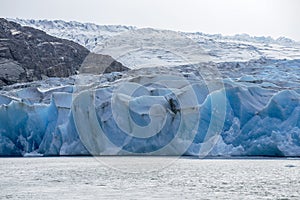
x=153, y=114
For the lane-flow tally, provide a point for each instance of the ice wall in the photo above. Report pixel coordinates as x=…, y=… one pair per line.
x=65, y=118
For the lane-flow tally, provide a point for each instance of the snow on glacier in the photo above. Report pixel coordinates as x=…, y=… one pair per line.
x=241, y=47
x=37, y=118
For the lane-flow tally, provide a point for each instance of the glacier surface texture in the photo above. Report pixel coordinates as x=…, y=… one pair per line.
x=125, y=113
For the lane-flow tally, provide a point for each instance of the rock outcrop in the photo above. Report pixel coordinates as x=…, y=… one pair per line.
x=28, y=54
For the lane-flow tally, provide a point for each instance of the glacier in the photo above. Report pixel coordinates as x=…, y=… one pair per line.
x=242, y=99
x=181, y=113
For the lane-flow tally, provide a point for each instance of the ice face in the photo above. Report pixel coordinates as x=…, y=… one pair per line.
x=35, y=120
x=151, y=115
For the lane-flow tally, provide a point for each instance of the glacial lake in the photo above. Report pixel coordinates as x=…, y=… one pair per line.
x=148, y=178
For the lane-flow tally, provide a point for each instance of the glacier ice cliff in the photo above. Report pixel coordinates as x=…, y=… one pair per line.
x=256, y=114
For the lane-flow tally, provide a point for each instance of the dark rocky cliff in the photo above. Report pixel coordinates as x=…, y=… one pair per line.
x=28, y=54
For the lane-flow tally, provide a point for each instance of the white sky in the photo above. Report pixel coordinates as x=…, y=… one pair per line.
x=256, y=17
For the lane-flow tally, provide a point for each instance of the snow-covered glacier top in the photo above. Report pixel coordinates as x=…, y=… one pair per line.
x=241, y=47
x=86, y=34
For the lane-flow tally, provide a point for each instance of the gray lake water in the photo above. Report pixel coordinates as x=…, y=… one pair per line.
x=148, y=178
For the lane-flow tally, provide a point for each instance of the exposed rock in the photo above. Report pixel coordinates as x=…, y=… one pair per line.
x=28, y=54
x=10, y=71
x=97, y=64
